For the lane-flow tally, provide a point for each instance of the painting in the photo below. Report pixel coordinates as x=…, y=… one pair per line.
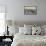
x=30, y=10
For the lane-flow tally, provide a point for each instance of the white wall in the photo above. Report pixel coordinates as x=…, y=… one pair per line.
x=15, y=9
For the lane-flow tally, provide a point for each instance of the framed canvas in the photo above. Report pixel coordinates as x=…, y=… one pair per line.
x=30, y=10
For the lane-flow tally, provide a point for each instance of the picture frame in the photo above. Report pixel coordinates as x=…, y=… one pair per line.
x=30, y=10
